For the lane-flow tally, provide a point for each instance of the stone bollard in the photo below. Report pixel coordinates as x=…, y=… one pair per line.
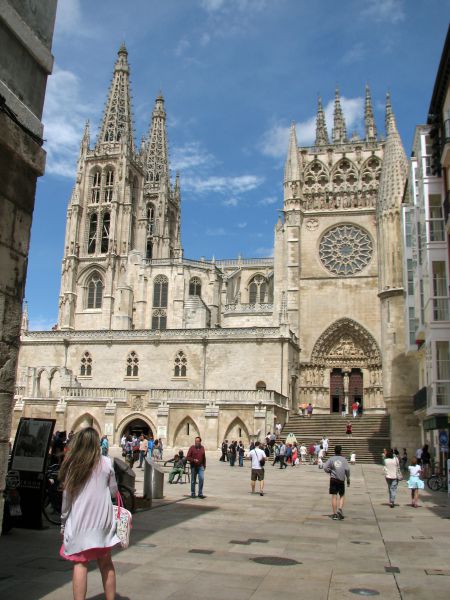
x=158, y=482
x=148, y=476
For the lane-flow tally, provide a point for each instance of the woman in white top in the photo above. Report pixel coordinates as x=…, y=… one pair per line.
x=88, y=524
x=415, y=483
x=391, y=467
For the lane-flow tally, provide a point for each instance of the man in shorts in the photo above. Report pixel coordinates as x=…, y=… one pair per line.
x=258, y=458
x=339, y=470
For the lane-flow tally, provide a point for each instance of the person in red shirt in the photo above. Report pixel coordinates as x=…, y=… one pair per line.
x=196, y=457
x=355, y=407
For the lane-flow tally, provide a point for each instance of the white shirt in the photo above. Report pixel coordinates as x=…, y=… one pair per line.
x=256, y=455
x=414, y=470
x=302, y=449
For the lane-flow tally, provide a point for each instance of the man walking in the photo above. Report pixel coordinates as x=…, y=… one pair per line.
x=258, y=458
x=196, y=457
x=224, y=449
x=282, y=455
x=143, y=446
x=339, y=470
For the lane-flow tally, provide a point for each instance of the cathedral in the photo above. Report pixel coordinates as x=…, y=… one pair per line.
x=149, y=340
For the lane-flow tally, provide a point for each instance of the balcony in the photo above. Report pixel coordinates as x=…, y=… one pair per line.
x=420, y=399
x=265, y=308
x=445, y=157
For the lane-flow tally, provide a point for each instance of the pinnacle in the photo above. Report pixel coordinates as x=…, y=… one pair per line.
x=321, y=127
x=123, y=49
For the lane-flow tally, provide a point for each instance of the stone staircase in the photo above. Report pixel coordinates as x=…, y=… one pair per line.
x=371, y=433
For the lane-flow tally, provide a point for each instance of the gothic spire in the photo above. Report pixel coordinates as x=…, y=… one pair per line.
x=395, y=165
x=292, y=166
x=117, y=124
x=339, y=129
x=157, y=156
x=321, y=126
x=369, y=121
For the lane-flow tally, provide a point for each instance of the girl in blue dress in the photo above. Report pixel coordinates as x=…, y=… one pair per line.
x=415, y=483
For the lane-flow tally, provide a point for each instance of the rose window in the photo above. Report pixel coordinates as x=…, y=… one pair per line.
x=345, y=250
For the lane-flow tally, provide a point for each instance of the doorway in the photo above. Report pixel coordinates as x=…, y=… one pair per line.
x=137, y=427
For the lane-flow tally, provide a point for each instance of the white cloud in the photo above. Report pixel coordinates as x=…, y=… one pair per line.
x=212, y=5
x=391, y=11
x=264, y=251
x=354, y=54
x=189, y=156
x=275, y=140
x=64, y=115
x=240, y=184
x=268, y=201
x=231, y=202
x=242, y=225
x=182, y=47
x=69, y=20
x=216, y=231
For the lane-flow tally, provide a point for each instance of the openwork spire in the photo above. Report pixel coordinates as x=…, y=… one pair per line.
x=157, y=156
x=292, y=166
x=117, y=124
x=395, y=165
x=369, y=121
x=339, y=128
x=321, y=126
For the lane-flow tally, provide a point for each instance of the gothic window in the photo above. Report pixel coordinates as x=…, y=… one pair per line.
x=180, y=369
x=109, y=184
x=316, y=176
x=150, y=219
x=132, y=365
x=106, y=223
x=195, y=287
x=86, y=365
x=92, y=238
x=160, y=292
x=345, y=249
x=94, y=291
x=371, y=171
x=159, y=319
x=257, y=290
x=345, y=175
x=149, y=250
x=95, y=191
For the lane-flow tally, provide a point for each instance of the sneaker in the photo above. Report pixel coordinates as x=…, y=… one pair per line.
x=261, y=493
x=193, y=496
x=340, y=515
x=201, y=496
x=335, y=517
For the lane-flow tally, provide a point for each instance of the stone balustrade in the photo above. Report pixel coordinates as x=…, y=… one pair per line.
x=263, y=307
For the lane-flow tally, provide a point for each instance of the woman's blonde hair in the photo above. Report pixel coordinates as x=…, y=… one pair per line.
x=81, y=459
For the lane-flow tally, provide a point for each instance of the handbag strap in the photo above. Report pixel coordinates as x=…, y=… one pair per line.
x=119, y=503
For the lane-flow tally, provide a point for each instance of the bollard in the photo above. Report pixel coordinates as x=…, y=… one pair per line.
x=148, y=476
x=158, y=482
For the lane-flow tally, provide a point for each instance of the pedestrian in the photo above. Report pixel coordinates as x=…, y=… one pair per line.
x=339, y=470
x=404, y=460
x=355, y=409
x=391, y=470
x=224, y=450
x=258, y=460
x=426, y=461
x=129, y=451
x=278, y=428
x=104, y=444
x=303, y=453
x=309, y=410
x=241, y=452
x=135, y=448
x=150, y=446
x=161, y=448
x=87, y=520
x=415, y=483
x=276, y=454
x=156, y=453
x=143, y=447
x=325, y=444
x=344, y=409
x=321, y=457
x=282, y=456
x=352, y=458
x=311, y=452
x=383, y=455
x=316, y=452
x=196, y=457
x=232, y=453
x=288, y=454
x=295, y=453
x=349, y=429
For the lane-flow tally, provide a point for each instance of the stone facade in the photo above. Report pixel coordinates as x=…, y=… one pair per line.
x=220, y=347
x=26, y=31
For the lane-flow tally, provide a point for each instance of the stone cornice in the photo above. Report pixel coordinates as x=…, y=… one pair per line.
x=391, y=292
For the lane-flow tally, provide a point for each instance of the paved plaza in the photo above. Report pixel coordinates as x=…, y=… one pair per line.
x=231, y=544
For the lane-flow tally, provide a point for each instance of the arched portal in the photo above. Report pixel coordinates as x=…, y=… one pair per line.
x=137, y=427
x=86, y=420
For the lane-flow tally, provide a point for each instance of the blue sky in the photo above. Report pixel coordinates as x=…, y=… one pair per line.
x=235, y=74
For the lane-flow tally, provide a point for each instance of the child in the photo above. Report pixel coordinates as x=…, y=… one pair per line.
x=415, y=483
x=352, y=458
x=87, y=521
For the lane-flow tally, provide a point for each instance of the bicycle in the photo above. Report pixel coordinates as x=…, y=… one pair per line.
x=437, y=482
x=52, y=498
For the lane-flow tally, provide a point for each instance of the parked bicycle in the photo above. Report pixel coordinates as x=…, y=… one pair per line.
x=52, y=498
x=437, y=482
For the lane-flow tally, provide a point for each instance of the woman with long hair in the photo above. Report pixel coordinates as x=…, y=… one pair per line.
x=88, y=526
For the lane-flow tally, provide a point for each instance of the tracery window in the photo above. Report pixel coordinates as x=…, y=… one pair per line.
x=180, y=368
x=95, y=191
x=86, y=365
x=132, y=365
x=257, y=290
x=345, y=249
x=159, y=319
x=106, y=224
x=160, y=291
x=109, y=185
x=150, y=219
x=345, y=175
x=195, y=287
x=92, y=236
x=316, y=176
x=94, y=291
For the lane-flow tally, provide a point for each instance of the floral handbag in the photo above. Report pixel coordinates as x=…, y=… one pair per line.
x=123, y=520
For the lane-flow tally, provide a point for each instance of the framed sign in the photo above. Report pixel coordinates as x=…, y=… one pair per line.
x=31, y=444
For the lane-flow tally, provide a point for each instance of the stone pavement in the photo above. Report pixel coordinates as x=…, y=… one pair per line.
x=225, y=547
